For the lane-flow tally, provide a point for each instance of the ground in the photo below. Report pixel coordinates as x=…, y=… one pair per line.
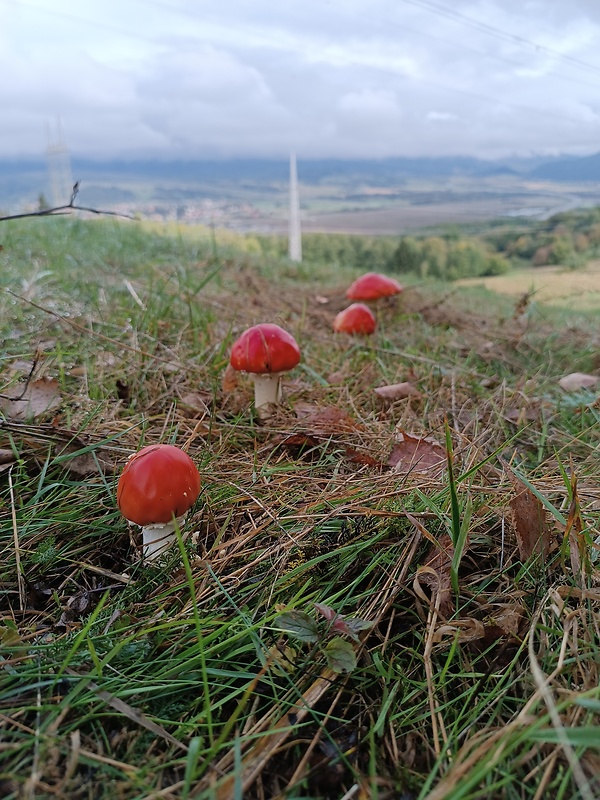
x=375, y=596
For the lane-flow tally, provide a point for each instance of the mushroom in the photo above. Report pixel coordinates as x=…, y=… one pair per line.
x=373, y=286
x=157, y=487
x=265, y=351
x=357, y=318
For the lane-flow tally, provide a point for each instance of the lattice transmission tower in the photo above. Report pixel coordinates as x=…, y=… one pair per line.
x=59, y=166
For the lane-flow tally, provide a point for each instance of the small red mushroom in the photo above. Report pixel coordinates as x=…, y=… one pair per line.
x=265, y=351
x=357, y=318
x=158, y=486
x=373, y=286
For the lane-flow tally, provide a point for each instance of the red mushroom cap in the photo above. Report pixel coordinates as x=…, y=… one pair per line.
x=372, y=286
x=357, y=318
x=158, y=483
x=265, y=348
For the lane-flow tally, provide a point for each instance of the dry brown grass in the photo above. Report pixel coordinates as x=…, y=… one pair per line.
x=445, y=700
x=578, y=290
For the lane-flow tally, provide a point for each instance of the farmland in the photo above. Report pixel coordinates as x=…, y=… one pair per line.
x=576, y=290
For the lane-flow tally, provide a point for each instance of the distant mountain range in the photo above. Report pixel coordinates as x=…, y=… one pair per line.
x=23, y=180
x=586, y=168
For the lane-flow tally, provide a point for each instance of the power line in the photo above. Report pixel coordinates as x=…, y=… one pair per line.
x=461, y=45
x=387, y=70
x=491, y=30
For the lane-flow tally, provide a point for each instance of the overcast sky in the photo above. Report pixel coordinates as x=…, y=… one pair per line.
x=326, y=78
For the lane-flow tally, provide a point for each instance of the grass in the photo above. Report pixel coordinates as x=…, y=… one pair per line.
x=575, y=290
x=473, y=672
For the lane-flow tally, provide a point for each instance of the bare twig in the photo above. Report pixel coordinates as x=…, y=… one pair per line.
x=57, y=211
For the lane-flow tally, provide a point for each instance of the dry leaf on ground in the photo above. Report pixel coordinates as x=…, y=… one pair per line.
x=577, y=380
x=324, y=419
x=398, y=391
x=81, y=464
x=37, y=398
x=436, y=574
x=416, y=453
x=529, y=519
x=508, y=618
x=230, y=380
x=193, y=404
x=578, y=549
x=7, y=459
x=304, y=443
x=461, y=630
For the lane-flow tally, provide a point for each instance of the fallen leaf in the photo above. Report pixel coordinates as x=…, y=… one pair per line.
x=7, y=459
x=195, y=403
x=336, y=378
x=577, y=380
x=282, y=658
x=416, y=453
x=461, y=630
x=90, y=463
x=398, y=391
x=529, y=519
x=324, y=419
x=436, y=574
x=24, y=367
x=578, y=549
x=231, y=379
x=35, y=399
x=524, y=414
x=508, y=618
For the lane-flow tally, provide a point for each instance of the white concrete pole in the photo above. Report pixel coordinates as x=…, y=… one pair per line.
x=295, y=236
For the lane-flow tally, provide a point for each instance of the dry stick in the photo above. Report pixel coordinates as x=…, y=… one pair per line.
x=58, y=211
x=13, y=511
x=539, y=792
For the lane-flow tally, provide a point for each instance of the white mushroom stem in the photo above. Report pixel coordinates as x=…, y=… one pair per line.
x=158, y=537
x=267, y=389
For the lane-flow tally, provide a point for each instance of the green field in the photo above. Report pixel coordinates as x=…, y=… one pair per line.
x=447, y=533
x=576, y=290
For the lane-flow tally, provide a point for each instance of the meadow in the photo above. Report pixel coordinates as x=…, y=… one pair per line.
x=557, y=286
x=378, y=594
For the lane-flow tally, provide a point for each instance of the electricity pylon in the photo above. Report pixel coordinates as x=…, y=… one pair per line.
x=59, y=167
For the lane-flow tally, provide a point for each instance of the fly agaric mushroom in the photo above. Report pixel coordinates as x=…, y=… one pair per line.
x=373, y=286
x=357, y=318
x=265, y=351
x=158, y=486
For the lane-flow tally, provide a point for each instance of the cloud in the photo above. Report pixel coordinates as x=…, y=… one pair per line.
x=326, y=79
x=440, y=116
